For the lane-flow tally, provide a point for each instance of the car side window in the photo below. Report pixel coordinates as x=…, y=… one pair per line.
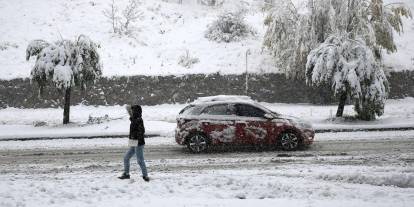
x=220, y=109
x=249, y=111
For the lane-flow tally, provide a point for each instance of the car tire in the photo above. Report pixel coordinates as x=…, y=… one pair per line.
x=289, y=141
x=197, y=143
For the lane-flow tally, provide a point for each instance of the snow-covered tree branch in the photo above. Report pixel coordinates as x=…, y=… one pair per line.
x=288, y=37
x=35, y=47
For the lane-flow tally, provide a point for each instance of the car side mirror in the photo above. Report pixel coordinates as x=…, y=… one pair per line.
x=268, y=116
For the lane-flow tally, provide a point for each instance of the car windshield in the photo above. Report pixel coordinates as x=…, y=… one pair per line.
x=191, y=110
x=186, y=109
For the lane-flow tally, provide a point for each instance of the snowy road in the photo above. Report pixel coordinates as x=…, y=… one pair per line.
x=357, y=172
x=355, y=152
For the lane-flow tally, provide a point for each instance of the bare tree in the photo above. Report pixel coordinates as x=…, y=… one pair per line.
x=121, y=23
x=131, y=14
x=112, y=16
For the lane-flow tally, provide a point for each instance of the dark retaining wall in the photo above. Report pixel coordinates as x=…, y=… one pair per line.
x=147, y=90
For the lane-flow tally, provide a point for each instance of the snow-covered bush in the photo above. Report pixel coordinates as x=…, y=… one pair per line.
x=7, y=45
x=187, y=61
x=211, y=2
x=229, y=26
x=98, y=119
x=39, y=123
x=352, y=70
x=65, y=64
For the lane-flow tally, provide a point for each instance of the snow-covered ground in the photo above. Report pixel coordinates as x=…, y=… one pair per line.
x=282, y=185
x=348, y=176
x=161, y=119
x=339, y=169
x=166, y=31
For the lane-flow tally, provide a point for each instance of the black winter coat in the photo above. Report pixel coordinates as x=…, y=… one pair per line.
x=137, y=130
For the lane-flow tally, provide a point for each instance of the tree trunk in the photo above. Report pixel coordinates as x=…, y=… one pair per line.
x=341, y=106
x=66, y=107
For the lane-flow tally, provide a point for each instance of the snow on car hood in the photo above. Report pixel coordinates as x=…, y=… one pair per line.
x=296, y=121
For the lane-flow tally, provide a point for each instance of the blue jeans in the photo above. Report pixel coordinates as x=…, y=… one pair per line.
x=139, y=151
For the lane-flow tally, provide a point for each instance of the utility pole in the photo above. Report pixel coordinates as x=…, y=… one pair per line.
x=247, y=74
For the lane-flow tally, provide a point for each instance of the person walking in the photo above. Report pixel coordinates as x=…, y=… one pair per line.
x=136, y=142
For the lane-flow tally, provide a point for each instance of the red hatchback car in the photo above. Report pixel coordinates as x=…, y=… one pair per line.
x=236, y=120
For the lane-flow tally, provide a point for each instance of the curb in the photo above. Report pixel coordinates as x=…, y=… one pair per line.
x=365, y=129
x=75, y=137
x=157, y=135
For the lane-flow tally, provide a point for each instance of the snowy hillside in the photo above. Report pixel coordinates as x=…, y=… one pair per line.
x=166, y=31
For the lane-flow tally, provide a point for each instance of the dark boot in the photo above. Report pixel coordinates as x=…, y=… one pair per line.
x=124, y=176
x=146, y=178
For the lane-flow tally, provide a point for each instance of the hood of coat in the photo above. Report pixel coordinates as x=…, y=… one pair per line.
x=136, y=111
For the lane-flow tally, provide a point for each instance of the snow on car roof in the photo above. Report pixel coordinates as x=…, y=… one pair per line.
x=223, y=98
x=209, y=100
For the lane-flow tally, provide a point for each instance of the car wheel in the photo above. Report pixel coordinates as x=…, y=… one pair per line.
x=289, y=141
x=197, y=143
